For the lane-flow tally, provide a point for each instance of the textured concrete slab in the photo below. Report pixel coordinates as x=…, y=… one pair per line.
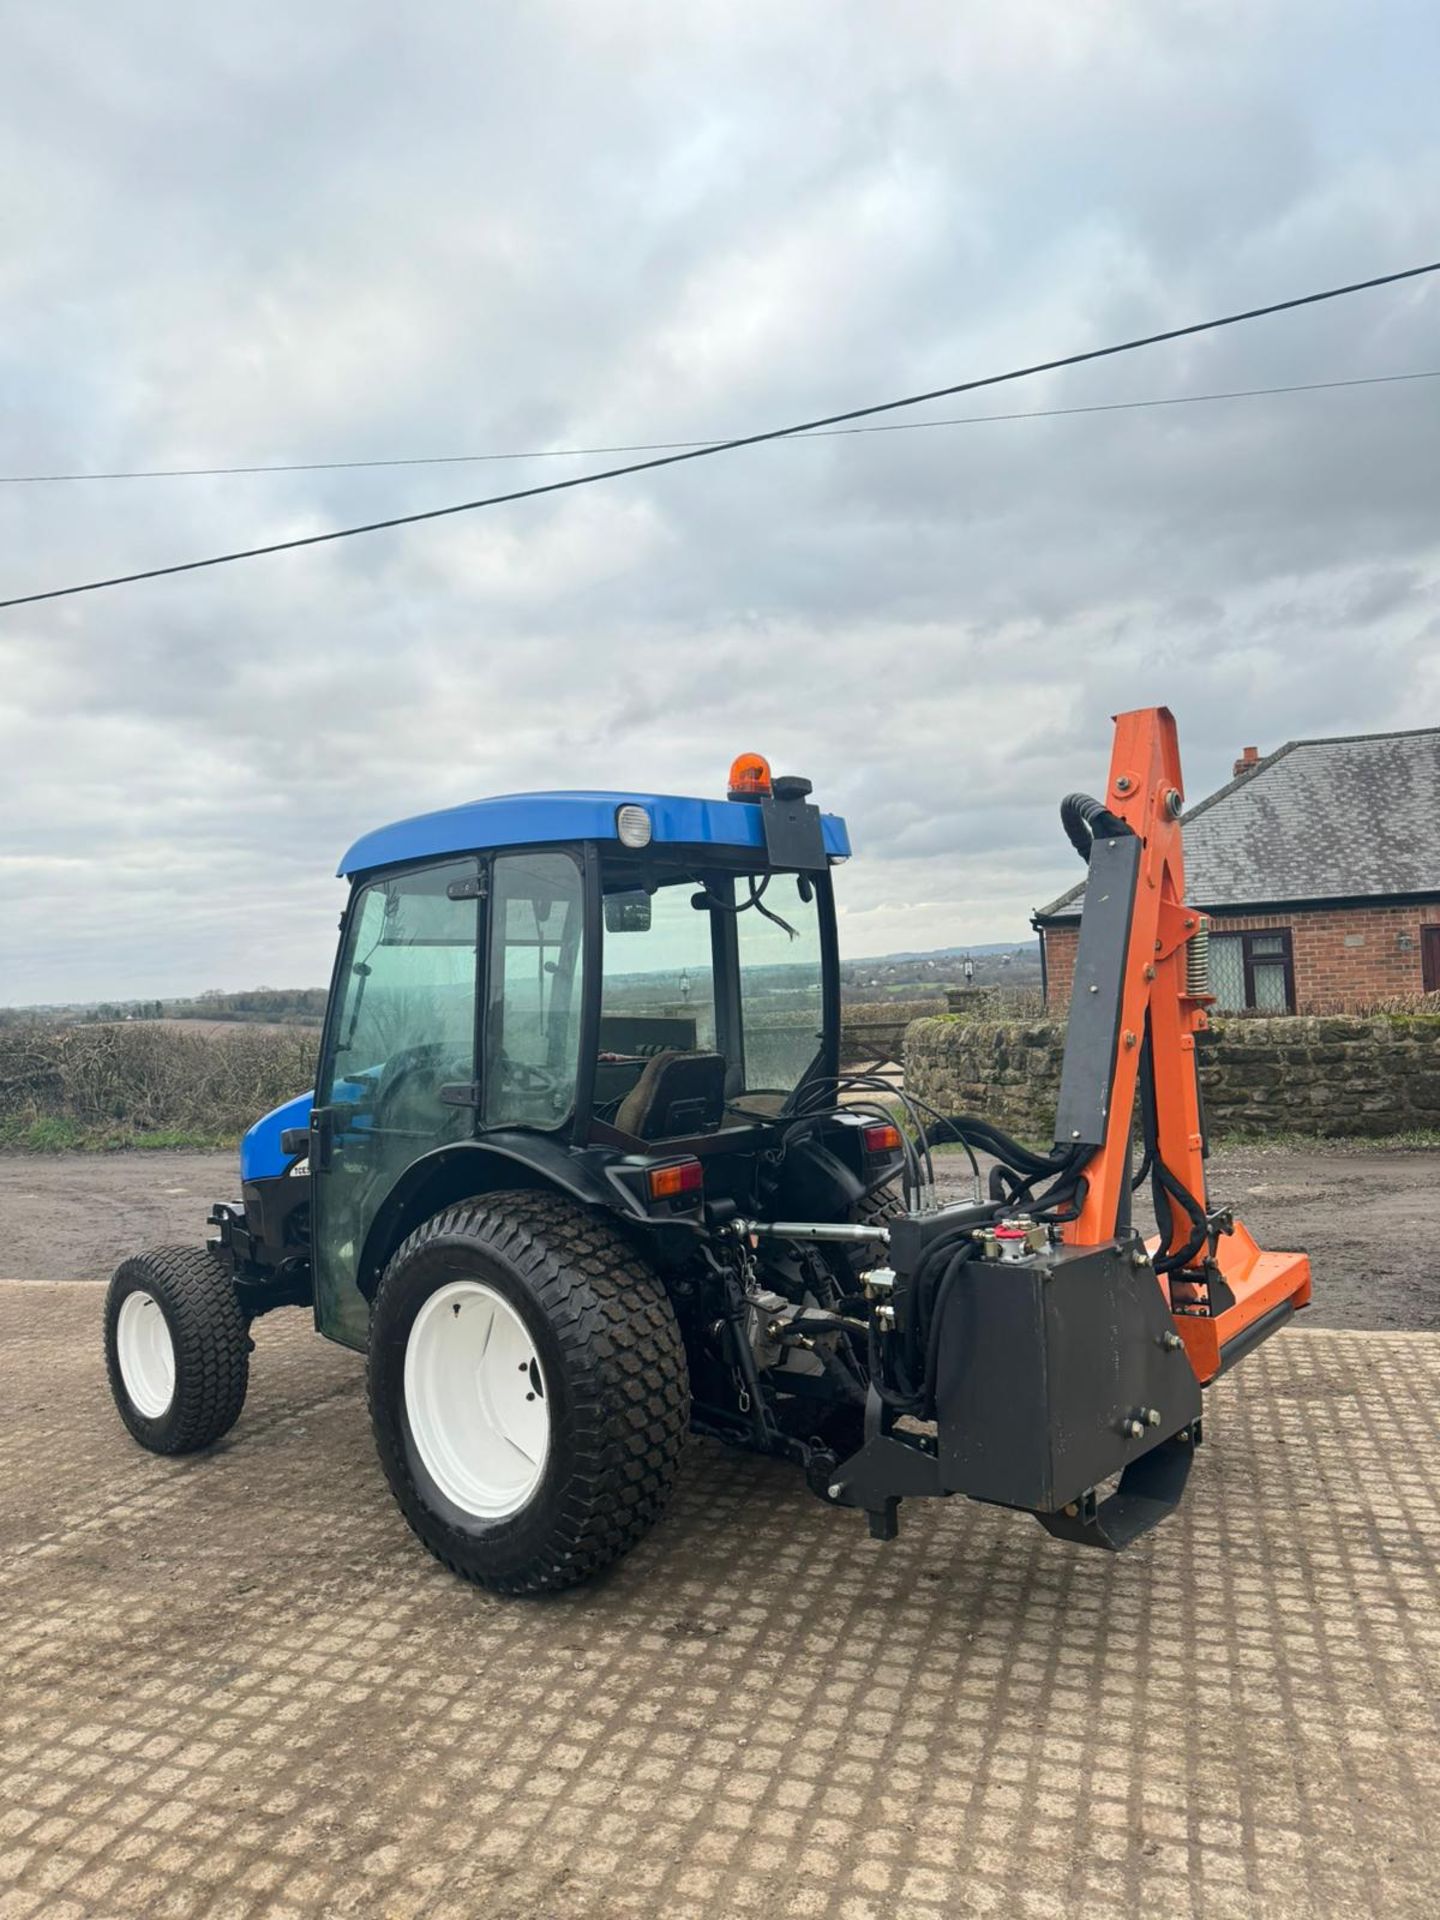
x=236, y=1686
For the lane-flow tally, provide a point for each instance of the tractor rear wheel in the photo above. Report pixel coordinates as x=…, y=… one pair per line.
x=177, y=1348
x=528, y=1391
x=879, y=1206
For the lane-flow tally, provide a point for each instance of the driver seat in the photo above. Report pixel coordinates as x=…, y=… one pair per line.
x=676, y=1093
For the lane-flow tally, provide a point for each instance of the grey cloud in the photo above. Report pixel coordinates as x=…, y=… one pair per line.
x=340, y=233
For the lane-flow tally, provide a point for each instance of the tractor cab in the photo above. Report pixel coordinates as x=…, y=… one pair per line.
x=619, y=995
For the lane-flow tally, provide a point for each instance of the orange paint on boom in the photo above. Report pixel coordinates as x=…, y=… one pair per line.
x=1218, y=1297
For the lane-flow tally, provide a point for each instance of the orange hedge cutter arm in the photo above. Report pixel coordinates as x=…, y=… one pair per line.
x=1140, y=995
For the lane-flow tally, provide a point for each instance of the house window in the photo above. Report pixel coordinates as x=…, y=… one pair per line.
x=1252, y=970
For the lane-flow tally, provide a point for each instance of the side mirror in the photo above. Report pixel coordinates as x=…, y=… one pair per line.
x=627, y=912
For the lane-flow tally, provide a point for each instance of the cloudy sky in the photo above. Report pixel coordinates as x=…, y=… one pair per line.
x=334, y=232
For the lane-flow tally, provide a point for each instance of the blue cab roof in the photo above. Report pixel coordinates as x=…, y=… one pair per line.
x=531, y=819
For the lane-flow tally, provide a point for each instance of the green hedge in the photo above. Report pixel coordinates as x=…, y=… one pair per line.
x=143, y=1083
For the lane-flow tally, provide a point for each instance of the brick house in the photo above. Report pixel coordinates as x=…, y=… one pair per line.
x=1319, y=868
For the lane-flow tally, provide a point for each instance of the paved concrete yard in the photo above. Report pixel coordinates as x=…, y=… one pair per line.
x=234, y=1685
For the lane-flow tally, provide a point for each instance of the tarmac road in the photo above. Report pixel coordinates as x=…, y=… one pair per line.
x=1370, y=1220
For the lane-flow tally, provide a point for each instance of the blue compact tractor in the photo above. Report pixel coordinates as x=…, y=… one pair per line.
x=582, y=1172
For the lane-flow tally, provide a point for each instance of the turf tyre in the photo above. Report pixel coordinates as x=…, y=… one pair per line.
x=616, y=1384
x=880, y=1206
x=209, y=1347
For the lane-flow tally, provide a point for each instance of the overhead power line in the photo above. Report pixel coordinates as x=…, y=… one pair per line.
x=665, y=446
x=727, y=446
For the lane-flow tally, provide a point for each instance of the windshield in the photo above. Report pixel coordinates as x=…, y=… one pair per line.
x=711, y=963
x=406, y=990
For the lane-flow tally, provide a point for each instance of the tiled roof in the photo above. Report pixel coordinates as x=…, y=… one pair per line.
x=1357, y=817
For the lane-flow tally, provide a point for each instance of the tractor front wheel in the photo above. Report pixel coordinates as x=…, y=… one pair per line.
x=177, y=1348
x=528, y=1391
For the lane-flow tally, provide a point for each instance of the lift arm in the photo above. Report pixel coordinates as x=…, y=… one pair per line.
x=1138, y=1006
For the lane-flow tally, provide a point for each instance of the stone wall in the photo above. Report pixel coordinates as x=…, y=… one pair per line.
x=1007, y=1071
x=1324, y=1073
x=1375, y=1074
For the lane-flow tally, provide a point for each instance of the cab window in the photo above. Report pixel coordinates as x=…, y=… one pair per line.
x=680, y=953
x=782, y=998
x=536, y=970
x=659, y=976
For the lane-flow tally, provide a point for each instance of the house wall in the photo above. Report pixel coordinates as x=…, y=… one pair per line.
x=1344, y=956
x=1058, y=945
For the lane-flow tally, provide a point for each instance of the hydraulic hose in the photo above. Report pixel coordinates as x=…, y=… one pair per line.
x=1162, y=1181
x=944, y=1288
x=1086, y=820
x=1199, y=1225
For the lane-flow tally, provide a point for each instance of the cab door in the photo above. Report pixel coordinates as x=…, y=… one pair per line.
x=401, y=1027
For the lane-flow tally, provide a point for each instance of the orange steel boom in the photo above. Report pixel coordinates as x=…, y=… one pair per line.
x=1228, y=1294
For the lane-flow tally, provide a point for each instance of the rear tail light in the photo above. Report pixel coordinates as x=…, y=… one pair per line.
x=668, y=1183
x=882, y=1139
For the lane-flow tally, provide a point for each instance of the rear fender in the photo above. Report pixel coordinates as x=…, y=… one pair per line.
x=461, y=1171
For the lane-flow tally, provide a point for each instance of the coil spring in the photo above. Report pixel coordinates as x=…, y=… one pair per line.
x=1197, y=960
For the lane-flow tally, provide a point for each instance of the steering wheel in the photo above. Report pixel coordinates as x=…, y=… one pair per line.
x=526, y=1078
x=397, y=1079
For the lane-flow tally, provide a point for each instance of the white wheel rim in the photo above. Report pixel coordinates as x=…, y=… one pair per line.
x=475, y=1399
x=146, y=1354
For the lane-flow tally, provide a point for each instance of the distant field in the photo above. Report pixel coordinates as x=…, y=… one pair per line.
x=257, y=1006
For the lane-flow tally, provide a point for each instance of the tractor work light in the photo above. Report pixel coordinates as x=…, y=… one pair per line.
x=882, y=1139
x=668, y=1183
x=750, y=777
x=632, y=826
